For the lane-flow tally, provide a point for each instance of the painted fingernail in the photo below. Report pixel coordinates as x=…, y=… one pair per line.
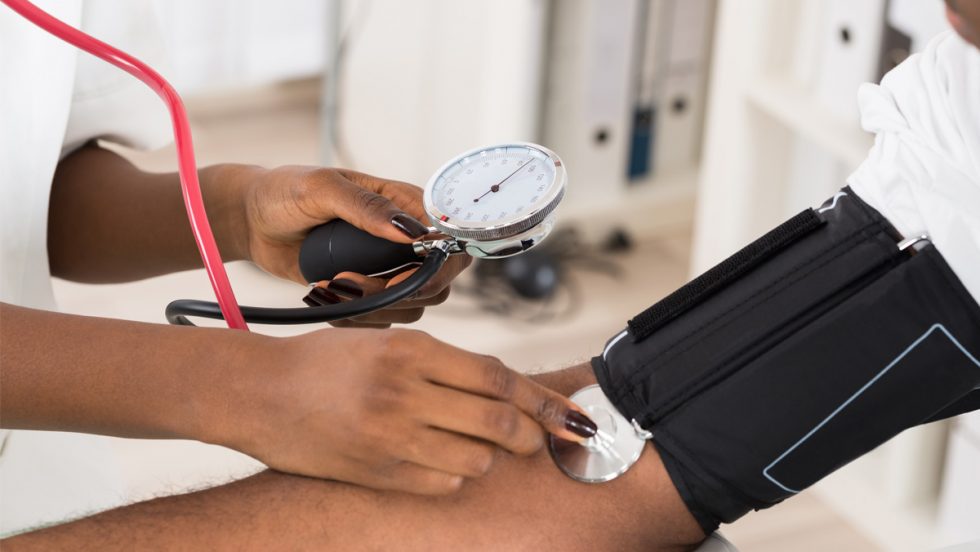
x=407, y=225
x=319, y=297
x=345, y=288
x=580, y=424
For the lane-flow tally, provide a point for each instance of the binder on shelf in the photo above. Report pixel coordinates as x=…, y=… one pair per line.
x=688, y=30
x=681, y=122
x=648, y=74
x=587, y=101
x=625, y=95
x=849, y=47
x=642, y=134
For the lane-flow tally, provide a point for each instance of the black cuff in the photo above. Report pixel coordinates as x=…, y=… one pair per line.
x=800, y=353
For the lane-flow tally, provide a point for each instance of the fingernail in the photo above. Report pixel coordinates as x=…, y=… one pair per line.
x=345, y=288
x=580, y=424
x=407, y=225
x=319, y=297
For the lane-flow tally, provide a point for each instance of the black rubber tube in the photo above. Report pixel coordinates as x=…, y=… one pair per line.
x=178, y=311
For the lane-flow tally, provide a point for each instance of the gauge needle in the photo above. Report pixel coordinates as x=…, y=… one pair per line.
x=496, y=187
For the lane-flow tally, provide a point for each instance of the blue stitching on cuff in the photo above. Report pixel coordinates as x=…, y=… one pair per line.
x=858, y=393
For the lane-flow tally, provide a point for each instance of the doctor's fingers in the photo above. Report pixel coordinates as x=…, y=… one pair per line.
x=376, y=320
x=381, y=319
x=438, y=286
x=436, y=290
x=328, y=196
x=404, y=195
x=493, y=421
x=449, y=452
x=352, y=288
x=350, y=285
x=489, y=377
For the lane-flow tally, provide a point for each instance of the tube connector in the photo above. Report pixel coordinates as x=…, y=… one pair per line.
x=447, y=245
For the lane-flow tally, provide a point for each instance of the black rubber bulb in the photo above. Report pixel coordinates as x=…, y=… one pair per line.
x=339, y=246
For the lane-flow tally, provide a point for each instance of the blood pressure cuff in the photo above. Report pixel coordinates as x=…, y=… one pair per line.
x=804, y=350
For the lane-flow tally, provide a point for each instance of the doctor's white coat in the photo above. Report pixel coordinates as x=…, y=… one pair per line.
x=52, y=100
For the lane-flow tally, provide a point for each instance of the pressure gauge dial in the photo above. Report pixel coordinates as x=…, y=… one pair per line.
x=497, y=201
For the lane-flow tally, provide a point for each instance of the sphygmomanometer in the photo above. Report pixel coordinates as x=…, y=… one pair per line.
x=804, y=350
x=490, y=202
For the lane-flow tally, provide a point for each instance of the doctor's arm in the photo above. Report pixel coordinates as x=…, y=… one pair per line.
x=350, y=404
x=111, y=222
x=523, y=503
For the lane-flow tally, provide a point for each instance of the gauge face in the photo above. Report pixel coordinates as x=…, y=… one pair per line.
x=494, y=187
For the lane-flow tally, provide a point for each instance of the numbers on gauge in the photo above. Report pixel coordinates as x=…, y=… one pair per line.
x=490, y=186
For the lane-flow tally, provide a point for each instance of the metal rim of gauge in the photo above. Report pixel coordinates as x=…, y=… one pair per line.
x=513, y=224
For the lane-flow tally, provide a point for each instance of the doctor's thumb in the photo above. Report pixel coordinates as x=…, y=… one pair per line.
x=375, y=214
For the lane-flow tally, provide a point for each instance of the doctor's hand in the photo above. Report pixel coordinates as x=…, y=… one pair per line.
x=276, y=208
x=387, y=409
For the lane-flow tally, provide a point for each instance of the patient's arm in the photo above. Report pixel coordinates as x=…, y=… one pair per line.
x=523, y=503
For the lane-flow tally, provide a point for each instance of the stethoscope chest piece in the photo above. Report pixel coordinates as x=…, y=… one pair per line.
x=607, y=455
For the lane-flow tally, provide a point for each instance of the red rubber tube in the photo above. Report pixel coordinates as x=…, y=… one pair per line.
x=189, y=184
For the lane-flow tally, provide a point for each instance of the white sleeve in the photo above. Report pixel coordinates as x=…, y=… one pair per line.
x=108, y=102
x=923, y=172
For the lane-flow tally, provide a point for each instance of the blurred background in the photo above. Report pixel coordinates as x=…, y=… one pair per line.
x=689, y=127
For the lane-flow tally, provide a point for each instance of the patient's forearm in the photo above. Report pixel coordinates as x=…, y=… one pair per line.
x=524, y=503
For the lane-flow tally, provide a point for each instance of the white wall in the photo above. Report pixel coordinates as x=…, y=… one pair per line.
x=425, y=80
x=229, y=43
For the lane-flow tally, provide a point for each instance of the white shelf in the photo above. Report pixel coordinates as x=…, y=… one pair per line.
x=646, y=208
x=792, y=105
x=894, y=527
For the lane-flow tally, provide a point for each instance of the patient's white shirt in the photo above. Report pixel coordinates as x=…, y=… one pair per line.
x=923, y=172
x=52, y=100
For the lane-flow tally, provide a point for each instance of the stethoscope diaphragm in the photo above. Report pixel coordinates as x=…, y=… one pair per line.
x=610, y=453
